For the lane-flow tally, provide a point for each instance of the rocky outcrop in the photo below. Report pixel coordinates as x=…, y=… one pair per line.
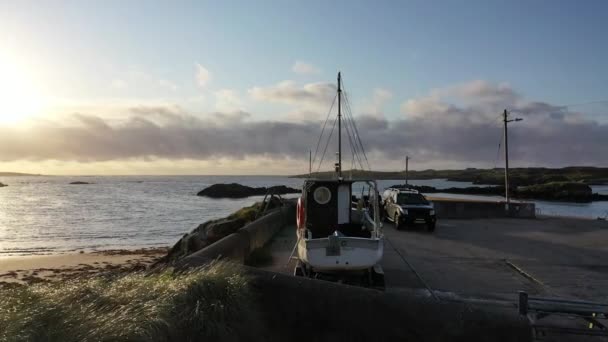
x=554, y=191
x=557, y=191
x=79, y=182
x=211, y=231
x=234, y=190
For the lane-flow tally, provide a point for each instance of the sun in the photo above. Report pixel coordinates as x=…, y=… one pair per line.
x=20, y=98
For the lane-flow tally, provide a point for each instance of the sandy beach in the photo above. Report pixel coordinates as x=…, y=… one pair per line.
x=37, y=268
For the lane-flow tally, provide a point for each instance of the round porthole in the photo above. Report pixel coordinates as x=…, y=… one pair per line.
x=322, y=195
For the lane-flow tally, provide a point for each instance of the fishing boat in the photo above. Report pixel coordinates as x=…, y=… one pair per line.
x=339, y=231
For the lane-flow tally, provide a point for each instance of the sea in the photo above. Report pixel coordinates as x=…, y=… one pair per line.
x=48, y=215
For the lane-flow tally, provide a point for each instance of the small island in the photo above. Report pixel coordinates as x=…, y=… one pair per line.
x=568, y=184
x=554, y=191
x=518, y=176
x=235, y=190
x=2, y=185
x=79, y=183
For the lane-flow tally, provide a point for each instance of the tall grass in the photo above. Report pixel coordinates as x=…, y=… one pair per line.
x=212, y=303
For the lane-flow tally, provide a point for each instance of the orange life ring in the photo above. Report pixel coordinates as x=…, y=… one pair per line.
x=300, y=217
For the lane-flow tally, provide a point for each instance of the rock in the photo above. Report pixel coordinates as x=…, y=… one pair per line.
x=234, y=190
x=557, y=191
x=222, y=228
x=214, y=230
x=553, y=191
x=210, y=232
x=79, y=182
x=1, y=185
x=282, y=189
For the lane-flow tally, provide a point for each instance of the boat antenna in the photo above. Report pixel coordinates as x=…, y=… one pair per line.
x=339, y=166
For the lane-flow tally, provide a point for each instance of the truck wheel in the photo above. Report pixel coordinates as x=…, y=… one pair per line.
x=397, y=224
x=430, y=226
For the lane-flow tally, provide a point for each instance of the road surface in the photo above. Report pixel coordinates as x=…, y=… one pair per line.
x=489, y=258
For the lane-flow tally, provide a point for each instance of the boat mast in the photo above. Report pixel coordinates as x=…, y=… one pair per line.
x=339, y=125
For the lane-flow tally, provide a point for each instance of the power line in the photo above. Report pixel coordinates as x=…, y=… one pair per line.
x=498, y=150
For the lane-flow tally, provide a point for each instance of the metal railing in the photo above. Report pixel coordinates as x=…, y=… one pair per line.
x=585, y=318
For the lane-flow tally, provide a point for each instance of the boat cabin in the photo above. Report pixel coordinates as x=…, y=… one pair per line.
x=329, y=208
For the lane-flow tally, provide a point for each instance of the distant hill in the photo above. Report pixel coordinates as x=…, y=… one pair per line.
x=16, y=174
x=517, y=176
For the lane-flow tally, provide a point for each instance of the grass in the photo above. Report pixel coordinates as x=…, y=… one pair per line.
x=211, y=303
x=247, y=214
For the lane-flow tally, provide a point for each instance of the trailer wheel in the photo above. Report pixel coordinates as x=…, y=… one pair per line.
x=377, y=275
x=298, y=271
x=384, y=214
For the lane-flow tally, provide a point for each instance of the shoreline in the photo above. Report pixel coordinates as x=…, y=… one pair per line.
x=109, y=251
x=30, y=269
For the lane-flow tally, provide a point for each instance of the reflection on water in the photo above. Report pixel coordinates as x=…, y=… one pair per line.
x=48, y=215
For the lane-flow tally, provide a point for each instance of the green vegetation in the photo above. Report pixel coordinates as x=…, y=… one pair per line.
x=211, y=303
x=552, y=191
x=557, y=191
x=247, y=214
x=517, y=176
x=214, y=230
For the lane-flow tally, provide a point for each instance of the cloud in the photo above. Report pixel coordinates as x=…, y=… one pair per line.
x=300, y=67
x=457, y=126
x=227, y=100
x=167, y=84
x=118, y=84
x=288, y=92
x=136, y=78
x=375, y=106
x=203, y=76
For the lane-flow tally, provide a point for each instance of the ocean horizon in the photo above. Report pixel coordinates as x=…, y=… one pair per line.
x=47, y=215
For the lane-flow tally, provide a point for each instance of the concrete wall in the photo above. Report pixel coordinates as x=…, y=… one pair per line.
x=237, y=246
x=477, y=209
x=301, y=309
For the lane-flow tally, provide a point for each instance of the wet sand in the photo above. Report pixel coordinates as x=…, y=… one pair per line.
x=39, y=268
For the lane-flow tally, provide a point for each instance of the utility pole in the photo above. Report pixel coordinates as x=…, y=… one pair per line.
x=339, y=125
x=506, y=121
x=407, y=159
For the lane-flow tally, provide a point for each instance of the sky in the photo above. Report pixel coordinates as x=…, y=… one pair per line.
x=244, y=87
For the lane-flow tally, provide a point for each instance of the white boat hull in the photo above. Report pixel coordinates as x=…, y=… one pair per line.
x=340, y=253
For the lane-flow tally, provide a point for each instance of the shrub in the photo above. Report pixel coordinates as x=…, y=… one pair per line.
x=210, y=303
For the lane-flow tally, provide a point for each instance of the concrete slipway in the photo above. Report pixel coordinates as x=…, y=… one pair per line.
x=458, y=283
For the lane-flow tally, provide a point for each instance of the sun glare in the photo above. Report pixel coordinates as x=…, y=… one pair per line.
x=19, y=96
